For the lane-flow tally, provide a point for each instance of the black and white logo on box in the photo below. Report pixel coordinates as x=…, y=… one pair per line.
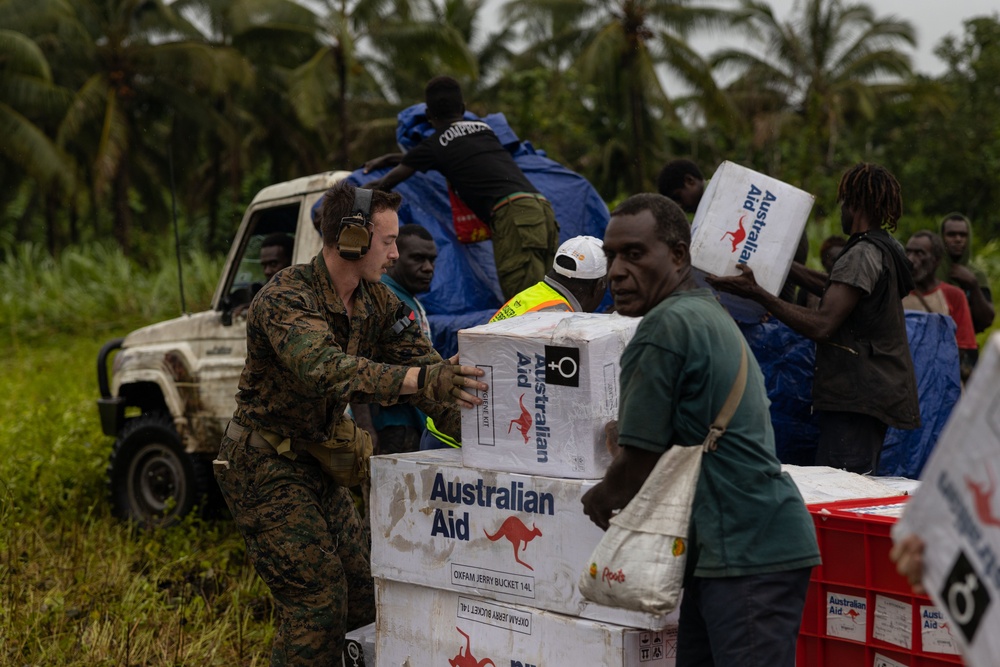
x=965, y=597
x=562, y=365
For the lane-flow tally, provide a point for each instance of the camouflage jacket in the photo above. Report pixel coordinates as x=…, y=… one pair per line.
x=306, y=359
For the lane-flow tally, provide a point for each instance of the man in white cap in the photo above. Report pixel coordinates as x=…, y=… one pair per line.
x=575, y=283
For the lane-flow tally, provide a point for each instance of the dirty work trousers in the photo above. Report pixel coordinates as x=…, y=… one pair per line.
x=850, y=441
x=750, y=621
x=525, y=239
x=306, y=541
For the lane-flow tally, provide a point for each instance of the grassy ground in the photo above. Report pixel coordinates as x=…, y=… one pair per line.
x=78, y=587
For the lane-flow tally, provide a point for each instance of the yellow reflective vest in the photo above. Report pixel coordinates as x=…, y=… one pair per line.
x=537, y=298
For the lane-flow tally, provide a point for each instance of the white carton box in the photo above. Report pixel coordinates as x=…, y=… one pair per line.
x=553, y=381
x=420, y=627
x=748, y=218
x=822, y=484
x=504, y=536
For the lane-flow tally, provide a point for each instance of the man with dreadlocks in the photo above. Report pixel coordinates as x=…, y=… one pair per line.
x=864, y=379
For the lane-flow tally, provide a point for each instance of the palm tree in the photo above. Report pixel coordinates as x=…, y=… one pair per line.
x=139, y=70
x=259, y=125
x=827, y=66
x=378, y=54
x=28, y=96
x=620, y=45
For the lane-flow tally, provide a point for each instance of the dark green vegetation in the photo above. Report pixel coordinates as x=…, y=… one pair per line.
x=104, y=102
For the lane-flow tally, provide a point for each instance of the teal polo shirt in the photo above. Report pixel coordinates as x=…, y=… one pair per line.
x=748, y=516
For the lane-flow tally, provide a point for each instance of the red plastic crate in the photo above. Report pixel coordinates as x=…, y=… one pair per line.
x=854, y=541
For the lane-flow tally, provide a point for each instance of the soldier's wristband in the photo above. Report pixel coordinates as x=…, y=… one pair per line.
x=421, y=377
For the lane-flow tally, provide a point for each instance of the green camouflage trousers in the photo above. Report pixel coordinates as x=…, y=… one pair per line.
x=305, y=539
x=525, y=239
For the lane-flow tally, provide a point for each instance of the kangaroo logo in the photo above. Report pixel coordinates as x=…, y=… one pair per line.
x=518, y=534
x=984, y=498
x=523, y=422
x=468, y=660
x=736, y=237
x=853, y=614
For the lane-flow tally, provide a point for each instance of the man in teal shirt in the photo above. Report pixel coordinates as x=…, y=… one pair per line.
x=753, y=544
x=397, y=428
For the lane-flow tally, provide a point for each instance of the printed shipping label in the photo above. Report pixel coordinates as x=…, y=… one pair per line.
x=892, y=621
x=935, y=632
x=882, y=661
x=846, y=616
x=493, y=614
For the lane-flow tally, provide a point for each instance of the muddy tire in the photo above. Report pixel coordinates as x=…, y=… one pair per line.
x=152, y=480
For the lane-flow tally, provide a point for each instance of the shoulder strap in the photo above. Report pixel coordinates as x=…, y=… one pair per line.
x=718, y=427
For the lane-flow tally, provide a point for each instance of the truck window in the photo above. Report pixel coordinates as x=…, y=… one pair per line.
x=269, y=223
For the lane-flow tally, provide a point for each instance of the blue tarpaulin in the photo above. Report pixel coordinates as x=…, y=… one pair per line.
x=787, y=360
x=465, y=291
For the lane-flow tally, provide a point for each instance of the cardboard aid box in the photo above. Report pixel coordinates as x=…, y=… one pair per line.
x=748, y=218
x=553, y=385
x=956, y=512
x=419, y=626
x=505, y=536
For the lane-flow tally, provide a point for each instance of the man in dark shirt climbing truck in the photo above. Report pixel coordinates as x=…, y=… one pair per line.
x=484, y=176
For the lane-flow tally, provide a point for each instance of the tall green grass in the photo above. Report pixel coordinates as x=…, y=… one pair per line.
x=78, y=587
x=94, y=289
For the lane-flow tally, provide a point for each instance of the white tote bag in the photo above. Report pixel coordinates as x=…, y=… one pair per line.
x=639, y=563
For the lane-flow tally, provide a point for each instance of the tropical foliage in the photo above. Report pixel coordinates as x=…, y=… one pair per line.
x=117, y=113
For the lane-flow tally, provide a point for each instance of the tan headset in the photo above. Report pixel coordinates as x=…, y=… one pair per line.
x=354, y=236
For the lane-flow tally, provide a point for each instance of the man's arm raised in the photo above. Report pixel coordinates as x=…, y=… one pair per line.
x=838, y=302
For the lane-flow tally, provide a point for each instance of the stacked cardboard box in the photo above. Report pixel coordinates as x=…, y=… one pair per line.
x=477, y=552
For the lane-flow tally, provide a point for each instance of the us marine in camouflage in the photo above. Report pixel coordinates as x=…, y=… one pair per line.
x=320, y=335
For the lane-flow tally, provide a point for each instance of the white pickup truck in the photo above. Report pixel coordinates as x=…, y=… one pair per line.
x=172, y=385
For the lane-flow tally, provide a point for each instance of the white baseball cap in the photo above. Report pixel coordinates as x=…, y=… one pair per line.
x=581, y=257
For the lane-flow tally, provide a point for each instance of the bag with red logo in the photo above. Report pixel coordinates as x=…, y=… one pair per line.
x=639, y=563
x=468, y=227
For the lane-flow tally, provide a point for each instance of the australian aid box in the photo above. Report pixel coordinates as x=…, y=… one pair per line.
x=515, y=538
x=956, y=511
x=419, y=626
x=553, y=385
x=748, y=218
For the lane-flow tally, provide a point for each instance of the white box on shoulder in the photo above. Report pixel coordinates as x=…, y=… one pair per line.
x=420, y=626
x=748, y=218
x=517, y=538
x=553, y=385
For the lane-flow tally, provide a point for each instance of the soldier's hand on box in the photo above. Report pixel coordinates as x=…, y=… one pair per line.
x=449, y=381
x=744, y=285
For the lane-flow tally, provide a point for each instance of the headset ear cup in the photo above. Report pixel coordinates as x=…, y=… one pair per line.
x=353, y=239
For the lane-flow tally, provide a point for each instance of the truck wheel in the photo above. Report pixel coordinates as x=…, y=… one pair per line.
x=153, y=481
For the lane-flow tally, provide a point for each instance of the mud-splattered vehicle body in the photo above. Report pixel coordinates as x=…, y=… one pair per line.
x=171, y=387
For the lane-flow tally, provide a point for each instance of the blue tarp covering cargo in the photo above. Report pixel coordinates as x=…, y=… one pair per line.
x=787, y=359
x=465, y=291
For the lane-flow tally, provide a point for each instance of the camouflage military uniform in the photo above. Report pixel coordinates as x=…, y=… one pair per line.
x=305, y=361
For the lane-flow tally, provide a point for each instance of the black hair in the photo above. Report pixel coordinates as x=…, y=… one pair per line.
x=279, y=239
x=338, y=202
x=443, y=96
x=413, y=229
x=872, y=189
x=671, y=223
x=671, y=177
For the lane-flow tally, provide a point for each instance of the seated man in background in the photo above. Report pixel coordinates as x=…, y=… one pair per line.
x=925, y=251
x=576, y=283
x=275, y=253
